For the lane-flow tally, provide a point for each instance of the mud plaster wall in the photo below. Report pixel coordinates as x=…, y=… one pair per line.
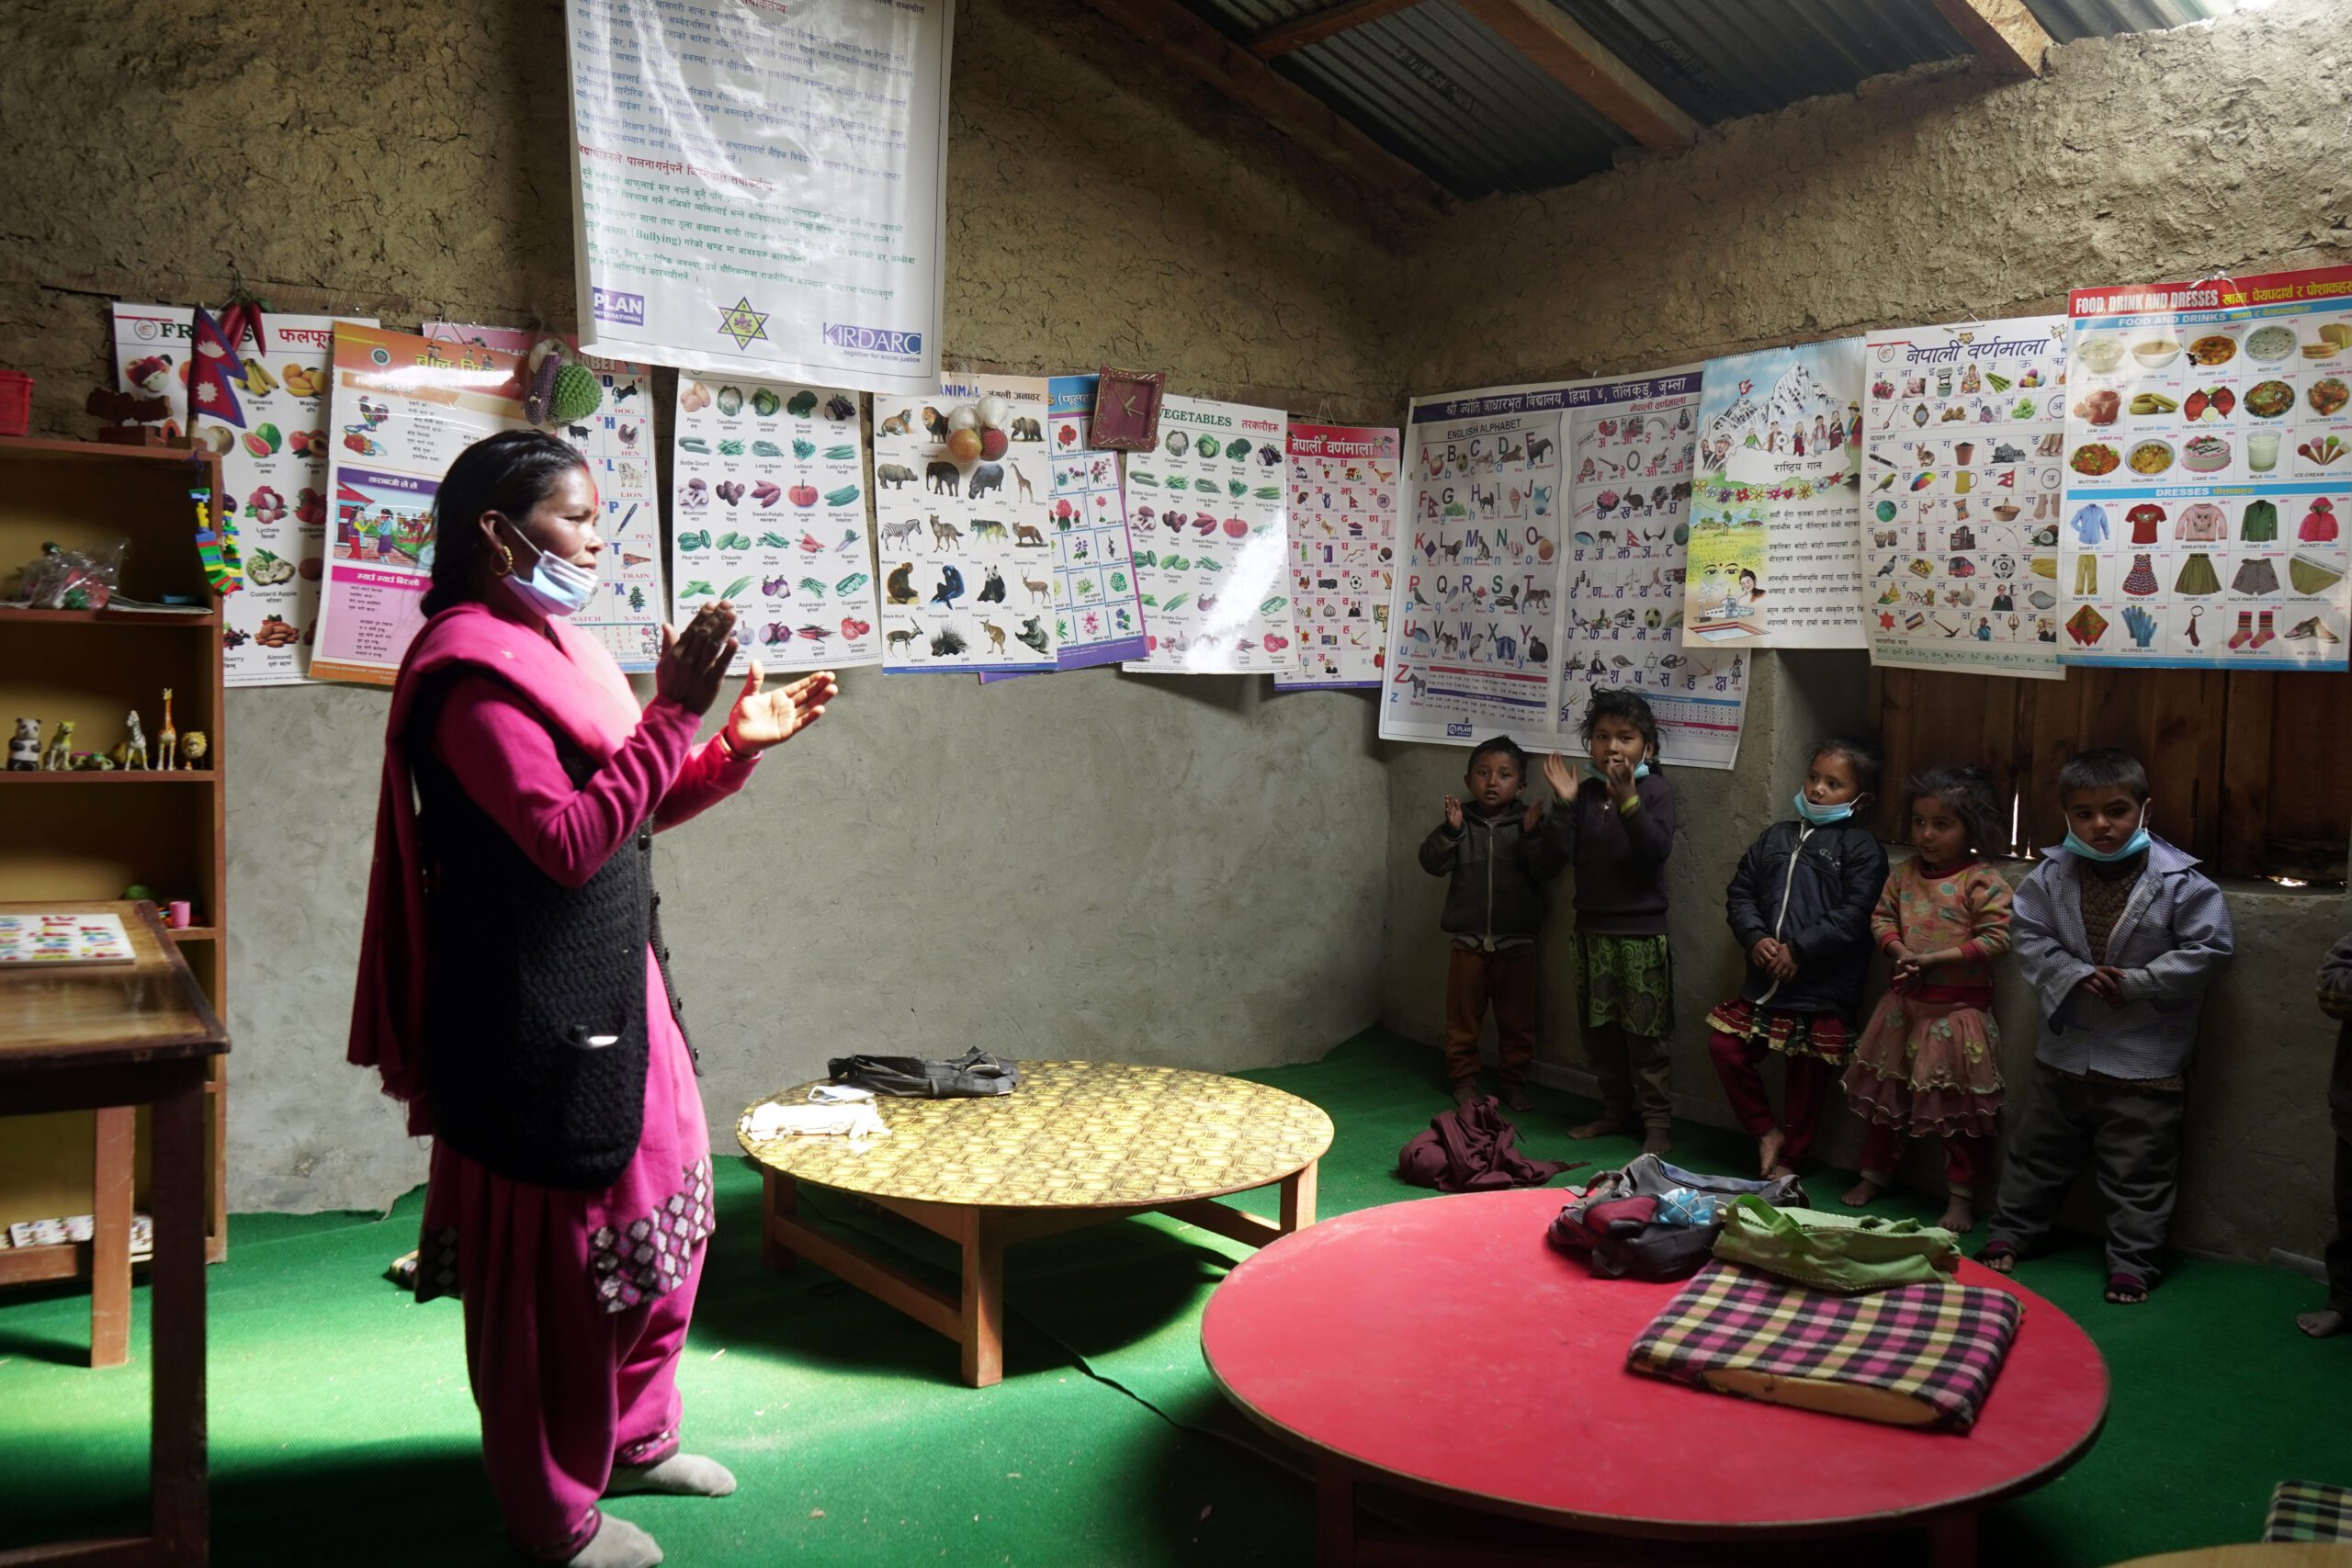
x=1936, y=194
x=1187, y=871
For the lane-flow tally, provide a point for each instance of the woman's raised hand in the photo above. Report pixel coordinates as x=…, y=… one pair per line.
x=762, y=719
x=694, y=662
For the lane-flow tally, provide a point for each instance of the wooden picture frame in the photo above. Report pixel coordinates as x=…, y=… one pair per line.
x=1126, y=410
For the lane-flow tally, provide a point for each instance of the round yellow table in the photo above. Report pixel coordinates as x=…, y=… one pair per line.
x=1077, y=1144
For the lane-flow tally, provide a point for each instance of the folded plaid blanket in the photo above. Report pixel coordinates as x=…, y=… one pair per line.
x=1913, y=1356
x=2309, y=1510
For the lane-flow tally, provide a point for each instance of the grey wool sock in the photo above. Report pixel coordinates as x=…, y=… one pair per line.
x=680, y=1476
x=616, y=1544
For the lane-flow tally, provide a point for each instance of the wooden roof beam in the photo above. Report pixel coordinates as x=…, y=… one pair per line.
x=1329, y=22
x=1575, y=59
x=1188, y=42
x=2003, y=34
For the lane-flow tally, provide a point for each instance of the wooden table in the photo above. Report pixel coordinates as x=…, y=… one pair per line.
x=1440, y=1349
x=1077, y=1144
x=141, y=1034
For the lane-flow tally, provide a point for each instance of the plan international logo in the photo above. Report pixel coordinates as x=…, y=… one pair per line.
x=625, y=309
x=885, y=341
x=742, y=324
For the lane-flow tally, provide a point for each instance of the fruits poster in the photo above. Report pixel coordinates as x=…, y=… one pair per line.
x=1775, y=505
x=400, y=410
x=1345, y=482
x=2207, y=474
x=273, y=467
x=1208, y=509
x=1962, y=427
x=961, y=518
x=761, y=189
x=768, y=510
x=616, y=443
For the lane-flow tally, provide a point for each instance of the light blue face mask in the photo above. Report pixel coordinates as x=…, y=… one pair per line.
x=554, y=586
x=1641, y=771
x=2131, y=846
x=1821, y=815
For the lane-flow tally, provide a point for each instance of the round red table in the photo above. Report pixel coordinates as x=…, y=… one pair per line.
x=1440, y=1347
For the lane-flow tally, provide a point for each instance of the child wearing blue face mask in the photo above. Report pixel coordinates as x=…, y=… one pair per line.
x=1617, y=814
x=1800, y=904
x=2117, y=934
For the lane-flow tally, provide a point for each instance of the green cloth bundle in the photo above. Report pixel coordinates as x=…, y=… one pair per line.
x=1845, y=1254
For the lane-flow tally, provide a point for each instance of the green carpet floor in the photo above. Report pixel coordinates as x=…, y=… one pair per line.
x=341, y=1430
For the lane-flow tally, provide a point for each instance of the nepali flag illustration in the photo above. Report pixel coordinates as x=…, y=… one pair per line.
x=213, y=372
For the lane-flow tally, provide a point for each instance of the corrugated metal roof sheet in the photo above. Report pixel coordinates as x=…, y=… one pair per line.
x=1438, y=89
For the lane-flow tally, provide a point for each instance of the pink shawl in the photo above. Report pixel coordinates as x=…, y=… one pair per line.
x=581, y=693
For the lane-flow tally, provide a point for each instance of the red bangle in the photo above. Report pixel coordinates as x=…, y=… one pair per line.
x=728, y=747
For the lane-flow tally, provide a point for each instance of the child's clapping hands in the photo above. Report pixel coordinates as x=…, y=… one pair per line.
x=1772, y=955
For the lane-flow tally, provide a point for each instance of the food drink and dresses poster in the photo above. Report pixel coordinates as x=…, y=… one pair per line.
x=1775, y=555
x=1345, y=482
x=768, y=511
x=1098, y=606
x=616, y=443
x=402, y=408
x=273, y=469
x=1964, y=429
x=967, y=556
x=2208, y=458
x=759, y=189
x=1211, y=549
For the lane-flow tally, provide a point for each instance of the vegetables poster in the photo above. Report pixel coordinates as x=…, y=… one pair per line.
x=2207, y=473
x=1774, y=558
x=1630, y=441
x=966, y=560
x=616, y=443
x=1345, y=482
x=402, y=408
x=1961, y=495
x=1211, y=551
x=767, y=508
x=272, y=467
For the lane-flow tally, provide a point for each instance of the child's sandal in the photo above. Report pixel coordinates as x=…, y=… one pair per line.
x=2126, y=1290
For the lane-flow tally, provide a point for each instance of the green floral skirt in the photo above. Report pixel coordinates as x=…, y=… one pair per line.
x=1627, y=981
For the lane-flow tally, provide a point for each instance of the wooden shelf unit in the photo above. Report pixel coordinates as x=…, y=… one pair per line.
x=59, y=840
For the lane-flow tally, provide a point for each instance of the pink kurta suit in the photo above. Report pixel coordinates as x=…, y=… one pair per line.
x=576, y=1303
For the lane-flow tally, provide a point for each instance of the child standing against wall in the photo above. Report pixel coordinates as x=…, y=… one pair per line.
x=2119, y=935
x=1800, y=904
x=2336, y=1000
x=1498, y=854
x=1618, y=820
x=1928, y=1062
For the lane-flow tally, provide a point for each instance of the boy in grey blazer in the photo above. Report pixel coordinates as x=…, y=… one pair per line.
x=2118, y=935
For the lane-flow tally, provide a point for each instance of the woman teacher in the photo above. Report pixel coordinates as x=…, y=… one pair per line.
x=514, y=990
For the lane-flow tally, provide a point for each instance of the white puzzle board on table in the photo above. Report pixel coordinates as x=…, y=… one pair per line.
x=616, y=443
x=1345, y=485
x=2207, y=474
x=1545, y=540
x=960, y=536
x=1963, y=428
x=1775, y=555
x=767, y=511
x=273, y=471
x=1211, y=550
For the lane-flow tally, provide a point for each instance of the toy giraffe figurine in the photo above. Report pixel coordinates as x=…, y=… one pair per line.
x=168, y=740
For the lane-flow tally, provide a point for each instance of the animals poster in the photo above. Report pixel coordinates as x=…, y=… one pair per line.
x=1473, y=625
x=1098, y=606
x=1345, y=482
x=1211, y=548
x=1774, y=554
x=1962, y=438
x=2207, y=473
x=966, y=554
x=1631, y=440
x=402, y=407
x=767, y=508
x=273, y=467
x=616, y=443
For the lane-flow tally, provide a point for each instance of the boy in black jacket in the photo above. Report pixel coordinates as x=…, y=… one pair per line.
x=2336, y=1000
x=1498, y=854
x=1800, y=904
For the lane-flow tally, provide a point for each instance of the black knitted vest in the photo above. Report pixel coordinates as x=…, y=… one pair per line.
x=526, y=977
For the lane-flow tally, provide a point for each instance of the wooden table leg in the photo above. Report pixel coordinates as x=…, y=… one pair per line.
x=1952, y=1541
x=1298, y=1199
x=113, y=1157
x=176, y=1329
x=982, y=1335
x=1335, y=1514
x=783, y=1201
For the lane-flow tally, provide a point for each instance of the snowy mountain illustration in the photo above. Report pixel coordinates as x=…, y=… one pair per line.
x=1795, y=397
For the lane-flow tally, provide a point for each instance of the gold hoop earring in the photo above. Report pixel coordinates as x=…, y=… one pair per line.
x=506, y=561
